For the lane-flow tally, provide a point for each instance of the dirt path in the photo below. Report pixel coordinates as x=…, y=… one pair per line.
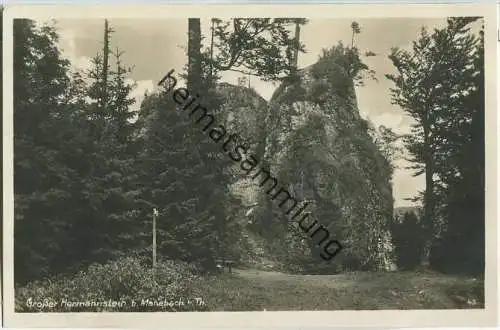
x=251, y=289
x=330, y=281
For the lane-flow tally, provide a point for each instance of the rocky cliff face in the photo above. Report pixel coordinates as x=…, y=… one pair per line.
x=318, y=146
x=244, y=112
x=314, y=141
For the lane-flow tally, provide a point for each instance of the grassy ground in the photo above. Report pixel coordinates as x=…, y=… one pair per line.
x=253, y=290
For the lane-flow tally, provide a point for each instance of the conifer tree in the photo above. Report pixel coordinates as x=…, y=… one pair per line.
x=460, y=245
x=436, y=80
x=108, y=185
x=46, y=152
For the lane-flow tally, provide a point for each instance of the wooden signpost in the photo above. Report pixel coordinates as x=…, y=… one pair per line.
x=155, y=214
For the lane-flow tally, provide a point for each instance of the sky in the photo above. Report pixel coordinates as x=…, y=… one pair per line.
x=154, y=47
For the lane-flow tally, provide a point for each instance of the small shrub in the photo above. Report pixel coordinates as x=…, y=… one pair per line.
x=119, y=286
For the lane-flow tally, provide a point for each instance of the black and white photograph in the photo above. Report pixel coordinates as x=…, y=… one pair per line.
x=218, y=161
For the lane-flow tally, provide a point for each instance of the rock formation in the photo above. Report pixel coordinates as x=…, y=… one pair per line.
x=318, y=144
x=312, y=138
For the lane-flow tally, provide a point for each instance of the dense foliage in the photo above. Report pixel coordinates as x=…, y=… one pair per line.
x=47, y=163
x=260, y=46
x=406, y=234
x=87, y=177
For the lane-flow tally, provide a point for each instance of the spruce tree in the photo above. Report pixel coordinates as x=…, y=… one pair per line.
x=109, y=185
x=46, y=152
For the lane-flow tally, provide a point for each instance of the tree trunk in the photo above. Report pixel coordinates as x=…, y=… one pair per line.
x=105, y=65
x=211, y=49
x=295, y=63
x=194, y=56
x=429, y=200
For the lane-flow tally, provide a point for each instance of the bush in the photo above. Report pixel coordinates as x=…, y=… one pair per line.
x=127, y=284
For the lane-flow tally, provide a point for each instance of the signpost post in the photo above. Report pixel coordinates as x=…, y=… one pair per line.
x=155, y=214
